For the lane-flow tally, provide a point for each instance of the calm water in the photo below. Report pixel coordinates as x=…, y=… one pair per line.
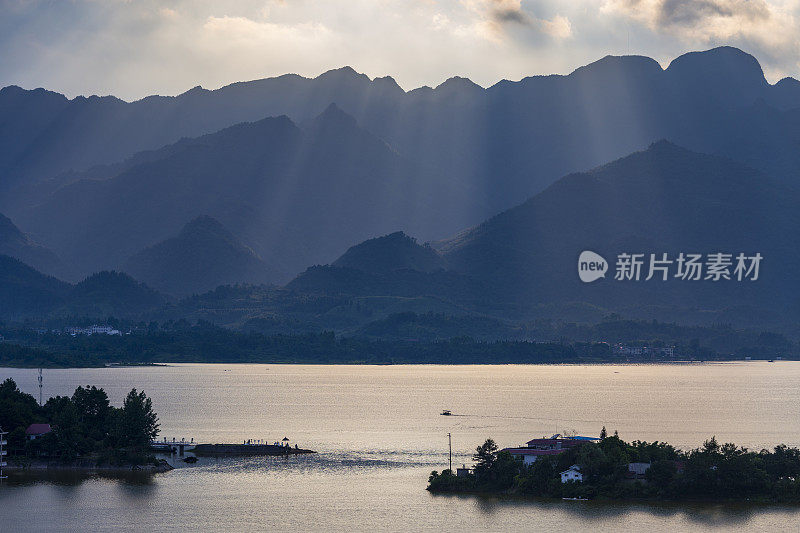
x=379, y=434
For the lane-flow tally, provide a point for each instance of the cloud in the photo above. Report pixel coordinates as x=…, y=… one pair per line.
x=768, y=29
x=711, y=21
x=505, y=11
x=241, y=30
x=499, y=17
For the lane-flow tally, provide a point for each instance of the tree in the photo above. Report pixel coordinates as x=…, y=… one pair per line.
x=485, y=456
x=17, y=409
x=93, y=411
x=603, y=433
x=138, y=422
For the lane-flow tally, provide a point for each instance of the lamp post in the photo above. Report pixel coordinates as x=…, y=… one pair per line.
x=450, y=445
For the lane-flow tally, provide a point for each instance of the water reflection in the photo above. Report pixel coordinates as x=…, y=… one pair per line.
x=712, y=514
x=74, y=478
x=379, y=434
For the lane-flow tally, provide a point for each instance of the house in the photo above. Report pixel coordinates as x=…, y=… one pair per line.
x=463, y=471
x=35, y=431
x=554, y=445
x=572, y=473
x=637, y=470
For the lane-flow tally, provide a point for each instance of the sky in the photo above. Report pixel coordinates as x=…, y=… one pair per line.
x=134, y=48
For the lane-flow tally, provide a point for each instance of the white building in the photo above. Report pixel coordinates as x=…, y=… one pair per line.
x=573, y=473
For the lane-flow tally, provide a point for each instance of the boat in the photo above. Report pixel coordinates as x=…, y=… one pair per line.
x=576, y=499
x=446, y=412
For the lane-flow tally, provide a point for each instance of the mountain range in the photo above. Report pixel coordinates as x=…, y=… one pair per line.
x=296, y=195
x=532, y=131
x=663, y=200
x=26, y=293
x=278, y=180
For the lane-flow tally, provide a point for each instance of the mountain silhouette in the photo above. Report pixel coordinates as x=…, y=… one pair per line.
x=111, y=293
x=201, y=257
x=393, y=266
x=24, y=291
x=27, y=293
x=297, y=196
x=344, y=158
x=505, y=143
x=396, y=251
x=15, y=243
x=665, y=199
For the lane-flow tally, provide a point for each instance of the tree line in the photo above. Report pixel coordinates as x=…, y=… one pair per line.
x=84, y=425
x=711, y=472
x=205, y=342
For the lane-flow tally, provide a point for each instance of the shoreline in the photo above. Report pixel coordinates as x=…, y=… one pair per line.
x=356, y=363
x=76, y=466
x=520, y=497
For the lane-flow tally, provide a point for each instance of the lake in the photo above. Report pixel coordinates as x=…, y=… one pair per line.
x=379, y=433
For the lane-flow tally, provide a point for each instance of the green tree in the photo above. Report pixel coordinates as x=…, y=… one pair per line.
x=93, y=411
x=17, y=409
x=138, y=423
x=485, y=457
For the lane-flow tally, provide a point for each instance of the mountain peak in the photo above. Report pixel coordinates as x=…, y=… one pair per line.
x=335, y=116
x=203, y=224
x=387, y=81
x=619, y=65
x=204, y=255
x=194, y=91
x=725, y=74
x=342, y=74
x=458, y=82
x=458, y=89
x=395, y=251
x=664, y=145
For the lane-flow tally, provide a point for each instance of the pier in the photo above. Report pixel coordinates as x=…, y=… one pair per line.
x=170, y=446
x=248, y=447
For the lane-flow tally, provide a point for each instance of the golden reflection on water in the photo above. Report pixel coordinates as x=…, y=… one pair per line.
x=379, y=433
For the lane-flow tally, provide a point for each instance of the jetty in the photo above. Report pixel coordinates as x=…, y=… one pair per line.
x=248, y=449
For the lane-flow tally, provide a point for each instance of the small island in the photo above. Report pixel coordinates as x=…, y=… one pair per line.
x=609, y=468
x=82, y=432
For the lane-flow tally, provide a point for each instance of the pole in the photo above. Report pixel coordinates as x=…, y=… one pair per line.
x=450, y=444
x=40, y=387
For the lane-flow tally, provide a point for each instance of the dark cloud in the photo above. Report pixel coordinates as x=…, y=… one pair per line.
x=508, y=11
x=694, y=12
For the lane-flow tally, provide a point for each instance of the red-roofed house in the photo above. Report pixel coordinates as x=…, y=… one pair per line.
x=35, y=431
x=553, y=446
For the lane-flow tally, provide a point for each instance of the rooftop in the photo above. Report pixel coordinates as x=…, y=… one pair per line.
x=38, y=429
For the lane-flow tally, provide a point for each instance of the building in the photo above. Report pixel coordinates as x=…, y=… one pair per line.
x=463, y=471
x=556, y=444
x=637, y=470
x=572, y=473
x=36, y=431
x=667, y=352
x=92, y=330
